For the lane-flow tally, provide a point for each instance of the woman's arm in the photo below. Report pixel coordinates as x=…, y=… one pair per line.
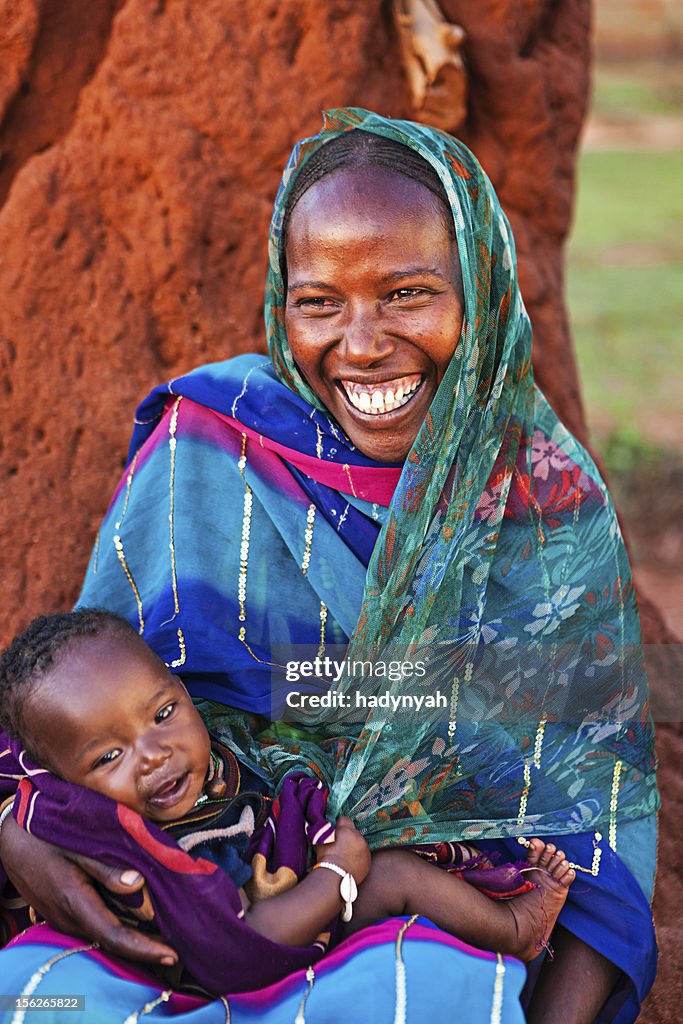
x=298, y=916
x=61, y=888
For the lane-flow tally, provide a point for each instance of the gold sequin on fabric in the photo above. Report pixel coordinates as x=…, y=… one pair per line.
x=534, y=761
x=180, y=660
x=538, y=743
x=521, y=815
x=118, y=544
x=129, y=484
x=319, y=442
x=453, y=710
x=401, y=994
x=19, y=1015
x=172, y=447
x=300, y=1014
x=597, y=854
x=172, y=444
x=323, y=624
x=244, y=548
x=347, y=470
x=594, y=869
x=308, y=538
x=455, y=696
x=96, y=554
x=244, y=560
x=612, y=839
x=497, y=1002
x=148, y=1007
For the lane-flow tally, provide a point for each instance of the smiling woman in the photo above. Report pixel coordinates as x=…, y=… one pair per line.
x=374, y=303
x=391, y=480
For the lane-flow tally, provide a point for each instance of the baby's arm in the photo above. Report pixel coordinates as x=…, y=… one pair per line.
x=296, y=917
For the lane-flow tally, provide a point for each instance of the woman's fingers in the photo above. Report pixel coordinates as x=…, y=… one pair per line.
x=88, y=916
x=62, y=891
x=116, y=880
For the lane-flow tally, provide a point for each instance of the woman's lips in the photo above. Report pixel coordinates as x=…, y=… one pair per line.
x=383, y=397
x=170, y=792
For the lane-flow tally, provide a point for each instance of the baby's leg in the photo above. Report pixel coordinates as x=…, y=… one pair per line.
x=401, y=883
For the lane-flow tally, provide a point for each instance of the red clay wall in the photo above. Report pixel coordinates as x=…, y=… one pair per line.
x=141, y=148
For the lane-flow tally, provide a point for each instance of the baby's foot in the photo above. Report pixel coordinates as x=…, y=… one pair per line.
x=536, y=912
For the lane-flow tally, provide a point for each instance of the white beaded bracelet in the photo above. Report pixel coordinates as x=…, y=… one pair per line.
x=6, y=811
x=348, y=890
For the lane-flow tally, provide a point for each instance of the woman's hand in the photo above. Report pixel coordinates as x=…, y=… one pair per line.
x=348, y=849
x=61, y=888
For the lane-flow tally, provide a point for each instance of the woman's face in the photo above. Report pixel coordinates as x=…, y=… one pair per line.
x=374, y=303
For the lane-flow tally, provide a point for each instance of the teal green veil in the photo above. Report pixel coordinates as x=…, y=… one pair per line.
x=499, y=565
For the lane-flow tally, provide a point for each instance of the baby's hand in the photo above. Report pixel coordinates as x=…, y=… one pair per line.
x=348, y=849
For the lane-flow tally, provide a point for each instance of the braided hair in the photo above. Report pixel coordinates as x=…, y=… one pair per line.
x=355, y=149
x=33, y=653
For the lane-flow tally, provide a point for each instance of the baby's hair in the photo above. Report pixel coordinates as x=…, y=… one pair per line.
x=33, y=653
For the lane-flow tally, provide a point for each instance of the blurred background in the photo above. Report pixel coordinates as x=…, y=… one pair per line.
x=625, y=280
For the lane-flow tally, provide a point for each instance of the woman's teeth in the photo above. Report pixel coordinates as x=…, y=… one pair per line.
x=375, y=399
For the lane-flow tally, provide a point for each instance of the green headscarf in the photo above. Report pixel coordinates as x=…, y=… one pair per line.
x=500, y=561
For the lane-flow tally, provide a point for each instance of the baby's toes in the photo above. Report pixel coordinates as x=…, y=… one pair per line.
x=535, y=850
x=540, y=854
x=555, y=863
x=564, y=874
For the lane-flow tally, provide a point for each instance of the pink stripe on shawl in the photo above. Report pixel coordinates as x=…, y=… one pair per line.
x=370, y=483
x=385, y=932
x=367, y=482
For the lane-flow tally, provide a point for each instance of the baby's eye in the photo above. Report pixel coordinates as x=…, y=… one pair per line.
x=107, y=758
x=165, y=712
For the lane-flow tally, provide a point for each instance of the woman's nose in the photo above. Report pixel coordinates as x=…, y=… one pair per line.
x=364, y=339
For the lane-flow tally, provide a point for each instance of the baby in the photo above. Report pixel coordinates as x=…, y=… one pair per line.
x=91, y=702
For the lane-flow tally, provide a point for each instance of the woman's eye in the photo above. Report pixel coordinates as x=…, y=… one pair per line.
x=164, y=712
x=408, y=293
x=316, y=304
x=107, y=758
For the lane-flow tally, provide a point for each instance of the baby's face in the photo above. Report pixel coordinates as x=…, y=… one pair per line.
x=111, y=717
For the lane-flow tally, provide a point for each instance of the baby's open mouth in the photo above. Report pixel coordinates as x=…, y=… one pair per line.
x=387, y=396
x=170, y=790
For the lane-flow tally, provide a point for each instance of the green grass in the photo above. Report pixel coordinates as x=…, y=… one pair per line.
x=627, y=332
x=627, y=197
x=625, y=91
x=625, y=296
